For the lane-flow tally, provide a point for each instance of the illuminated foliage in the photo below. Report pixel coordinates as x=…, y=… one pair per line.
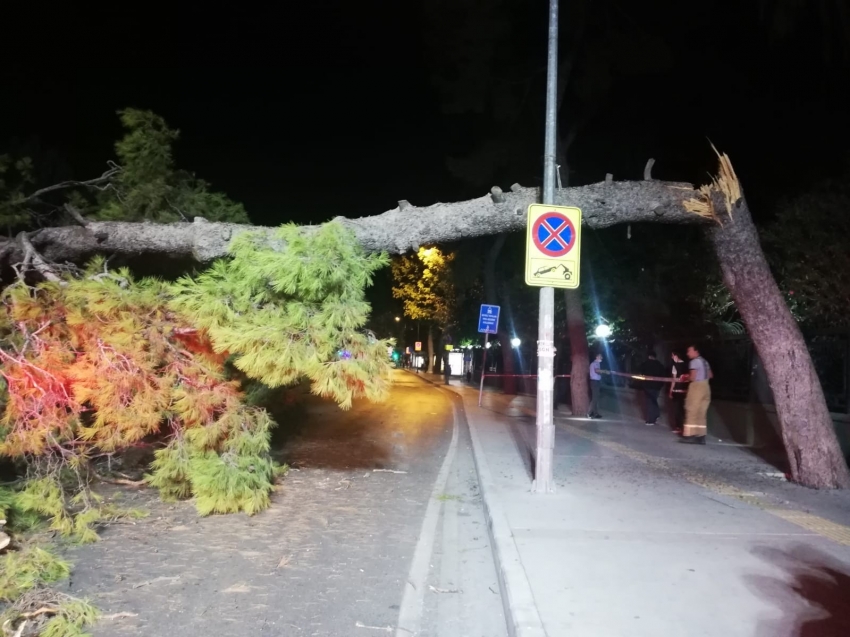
x=423, y=282
x=296, y=313
x=100, y=362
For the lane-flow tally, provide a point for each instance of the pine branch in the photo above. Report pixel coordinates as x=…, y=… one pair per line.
x=395, y=231
x=32, y=256
x=90, y=183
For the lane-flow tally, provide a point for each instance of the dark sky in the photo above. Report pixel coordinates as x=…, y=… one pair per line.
x=301, y=115
x=312, y=110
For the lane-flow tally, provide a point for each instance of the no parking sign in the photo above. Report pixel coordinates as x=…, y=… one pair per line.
x=553, y=246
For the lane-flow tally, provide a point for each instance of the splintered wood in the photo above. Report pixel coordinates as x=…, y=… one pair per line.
x=726, y=182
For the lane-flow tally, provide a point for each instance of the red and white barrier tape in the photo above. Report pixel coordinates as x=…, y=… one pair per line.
x=662, y=379
x=521, y=376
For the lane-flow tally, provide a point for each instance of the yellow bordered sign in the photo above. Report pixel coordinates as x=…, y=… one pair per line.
x=553, y=246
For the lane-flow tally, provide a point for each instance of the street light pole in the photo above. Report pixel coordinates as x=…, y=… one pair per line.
x=543, y=475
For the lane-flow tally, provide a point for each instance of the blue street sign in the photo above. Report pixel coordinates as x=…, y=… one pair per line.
x=488, y=320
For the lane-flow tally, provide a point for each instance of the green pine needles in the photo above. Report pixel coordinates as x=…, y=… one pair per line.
x=100, y=362
x=280, y=315
x=149, y=187
x=294, y=313
x=24, y=570
x=94, y=362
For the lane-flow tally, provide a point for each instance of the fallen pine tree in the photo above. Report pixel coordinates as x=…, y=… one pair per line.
x=720, y=208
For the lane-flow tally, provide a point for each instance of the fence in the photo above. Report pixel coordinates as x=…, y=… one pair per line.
x=738, y=372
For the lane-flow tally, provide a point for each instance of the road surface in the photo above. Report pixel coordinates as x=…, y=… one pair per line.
x=378, y=529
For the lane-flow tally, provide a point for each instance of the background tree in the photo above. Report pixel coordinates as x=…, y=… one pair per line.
x=149, y=187
x=786, y=20
x=645, y=278
x=808, y=253
x=496, y=292
x=423, y=282
x=142, y=185
x=16, y=179
x=481, y=70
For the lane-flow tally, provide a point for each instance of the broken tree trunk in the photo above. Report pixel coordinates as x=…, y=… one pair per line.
x=807, y=429
x=395, y=231
x=808, y=432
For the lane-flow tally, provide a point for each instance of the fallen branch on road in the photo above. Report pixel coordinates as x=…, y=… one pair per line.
x=386, y=629
x=119, y=615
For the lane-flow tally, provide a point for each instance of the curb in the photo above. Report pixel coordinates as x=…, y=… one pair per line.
x=521, y=614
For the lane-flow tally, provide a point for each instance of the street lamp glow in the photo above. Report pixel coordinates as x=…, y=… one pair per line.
x=397, y=319
x=488, y=345
x=515, y=342
x=603, y=331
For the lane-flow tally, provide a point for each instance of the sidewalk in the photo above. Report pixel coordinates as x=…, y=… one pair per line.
x=646, y=537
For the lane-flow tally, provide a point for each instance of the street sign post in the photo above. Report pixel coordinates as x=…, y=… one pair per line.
x=488, y=319
x=545, y=452
x=488, y=323
x=553, y=246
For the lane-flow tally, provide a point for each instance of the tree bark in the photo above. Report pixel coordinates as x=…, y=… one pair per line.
x=430, y=349
x=509, y=383
x=579, y=357
x=576, y=329
x=395, y=231
x=807, y=428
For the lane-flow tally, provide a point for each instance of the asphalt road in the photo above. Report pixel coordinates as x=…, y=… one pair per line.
x=378, y=529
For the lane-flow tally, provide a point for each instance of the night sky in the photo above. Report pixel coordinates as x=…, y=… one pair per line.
x=328, y=108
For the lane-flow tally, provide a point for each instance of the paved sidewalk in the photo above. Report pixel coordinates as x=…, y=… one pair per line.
x=646, y=537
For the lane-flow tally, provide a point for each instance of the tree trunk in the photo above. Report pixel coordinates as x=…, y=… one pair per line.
x=579, y=357
x=576, y=329
x=807, y=428
x=510, y=383
x=430, y=349
x=492, y=297
x=396, y=231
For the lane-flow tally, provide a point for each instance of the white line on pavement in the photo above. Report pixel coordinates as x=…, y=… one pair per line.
x=410, y=612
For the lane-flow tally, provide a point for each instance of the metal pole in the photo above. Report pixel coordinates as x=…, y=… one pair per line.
x=543, y=482
x=483, y=368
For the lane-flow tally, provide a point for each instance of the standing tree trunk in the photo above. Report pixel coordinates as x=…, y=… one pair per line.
x=579, y=357
x=576, y=330
x=430, y=349
x=510, y=383
x=491, y=296
x=807, y=429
